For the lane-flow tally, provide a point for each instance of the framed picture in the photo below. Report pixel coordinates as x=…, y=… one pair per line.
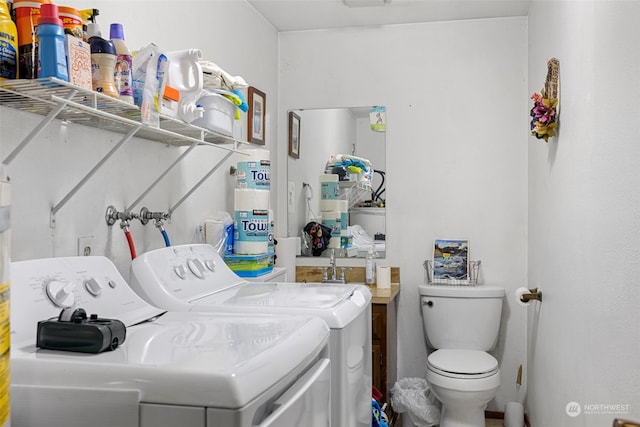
x=256, y=116
x=294, y=135
x=451, y=259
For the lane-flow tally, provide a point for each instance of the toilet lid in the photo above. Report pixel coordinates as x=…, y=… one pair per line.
x=463, y=362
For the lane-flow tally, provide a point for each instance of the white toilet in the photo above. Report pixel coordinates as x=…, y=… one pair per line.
x=461, y=324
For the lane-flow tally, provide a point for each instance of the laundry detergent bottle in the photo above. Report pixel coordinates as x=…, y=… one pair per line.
x=8, y=44
x=51, y=53
x=185, y=75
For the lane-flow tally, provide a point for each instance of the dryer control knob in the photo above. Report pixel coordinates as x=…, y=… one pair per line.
x=181, y=271
x=61, y=294
x=196, y=267
x=93, y=287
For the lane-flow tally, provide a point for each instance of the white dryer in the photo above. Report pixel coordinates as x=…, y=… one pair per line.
x=195, y=278
x=173, y=368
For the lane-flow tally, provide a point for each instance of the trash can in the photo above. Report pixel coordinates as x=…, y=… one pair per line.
x=412, y=398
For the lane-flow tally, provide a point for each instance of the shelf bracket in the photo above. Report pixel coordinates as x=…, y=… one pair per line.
x=199, y=183
x=162, y=175
x=86, y=178
x=62, y=103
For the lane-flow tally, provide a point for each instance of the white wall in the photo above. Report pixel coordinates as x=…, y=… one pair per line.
x=584, y=226
x=456, y=100
x=53, y=163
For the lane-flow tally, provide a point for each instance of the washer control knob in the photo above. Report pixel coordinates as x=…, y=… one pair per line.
x=61, y=294
x=93, y=287
x=196, y=267
x=181, y=271
x=210, y=264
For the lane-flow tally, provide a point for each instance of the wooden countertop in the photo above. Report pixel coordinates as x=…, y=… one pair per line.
x=384, y=296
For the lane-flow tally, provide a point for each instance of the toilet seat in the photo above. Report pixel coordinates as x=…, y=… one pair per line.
x=463, y=364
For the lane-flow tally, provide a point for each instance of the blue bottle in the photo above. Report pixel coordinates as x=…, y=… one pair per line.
x=51, y=54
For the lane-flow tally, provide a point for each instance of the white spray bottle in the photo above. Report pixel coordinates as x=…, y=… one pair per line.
x=370, y=267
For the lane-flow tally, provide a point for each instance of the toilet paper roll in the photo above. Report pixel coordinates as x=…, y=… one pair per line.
x=286, y=251
x=334, y=205
x=253, y=171
x=519, y=292
x=383, y=277
x=250, y=199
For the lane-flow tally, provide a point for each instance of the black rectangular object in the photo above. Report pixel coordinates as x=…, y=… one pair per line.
x=87, y=336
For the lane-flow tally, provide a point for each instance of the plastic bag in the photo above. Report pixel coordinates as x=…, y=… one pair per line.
x=148, y=70
x=218, y=232
x=412, y=395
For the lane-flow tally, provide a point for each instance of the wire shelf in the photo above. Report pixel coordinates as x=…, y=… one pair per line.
x=471, y=279
x=93, y=109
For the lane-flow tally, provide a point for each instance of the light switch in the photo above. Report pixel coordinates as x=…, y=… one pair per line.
x=291, y=191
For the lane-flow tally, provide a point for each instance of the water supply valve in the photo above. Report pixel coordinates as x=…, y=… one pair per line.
x=112, y=215
x=146, y=215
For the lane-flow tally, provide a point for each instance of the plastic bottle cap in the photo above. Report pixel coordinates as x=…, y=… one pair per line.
x=116, y=31
x=49, y=15
x=93, y=30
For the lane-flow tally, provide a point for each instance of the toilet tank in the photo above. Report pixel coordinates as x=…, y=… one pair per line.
x=461, y=317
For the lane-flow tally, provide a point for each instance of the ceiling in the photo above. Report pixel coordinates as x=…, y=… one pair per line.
x=297, y=15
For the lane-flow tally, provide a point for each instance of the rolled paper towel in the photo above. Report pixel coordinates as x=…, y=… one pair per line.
x=333, y=220
x=383, y=277
x=251, y=232
x=329, y=187
x=522, y=291
x=249, y=199
x=334, y=243
x=334, y=205
x=253, y=171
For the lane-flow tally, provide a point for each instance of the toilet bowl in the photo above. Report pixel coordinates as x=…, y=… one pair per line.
x=461, y=324
x=464, y=381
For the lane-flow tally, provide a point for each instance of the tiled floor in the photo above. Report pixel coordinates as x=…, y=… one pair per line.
x=493, y=422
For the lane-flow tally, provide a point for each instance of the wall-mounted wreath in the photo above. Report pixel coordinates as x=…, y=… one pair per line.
x=546, y=106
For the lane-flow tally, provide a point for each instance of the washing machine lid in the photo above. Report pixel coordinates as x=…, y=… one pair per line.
x=463, y=362
x=291, y=295
x=191, y=359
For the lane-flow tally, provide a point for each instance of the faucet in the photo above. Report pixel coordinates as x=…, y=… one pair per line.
x=333, y=269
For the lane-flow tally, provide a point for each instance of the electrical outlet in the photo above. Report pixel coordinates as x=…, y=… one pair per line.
x=85, y=245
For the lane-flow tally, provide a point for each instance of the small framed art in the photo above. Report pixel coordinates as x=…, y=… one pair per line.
x=256, y=115
x=294, y=135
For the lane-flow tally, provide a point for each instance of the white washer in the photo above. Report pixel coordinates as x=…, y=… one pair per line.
x=173, y=369
x=195, y=278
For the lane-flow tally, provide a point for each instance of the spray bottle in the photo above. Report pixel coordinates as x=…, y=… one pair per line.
x=370, y=267
x=8, y=44
x=124, y=64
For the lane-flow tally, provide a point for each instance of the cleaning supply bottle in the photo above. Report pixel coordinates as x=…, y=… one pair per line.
x=8, y=44
x=185, y=75
x=124, y=64
x=370, y=267
x=27, y=13
x=51, y=53
x=103, y=62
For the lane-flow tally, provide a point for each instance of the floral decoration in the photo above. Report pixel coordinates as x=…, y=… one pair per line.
x=544, y=116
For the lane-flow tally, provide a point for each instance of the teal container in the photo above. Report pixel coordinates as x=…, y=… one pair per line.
x=51, y=53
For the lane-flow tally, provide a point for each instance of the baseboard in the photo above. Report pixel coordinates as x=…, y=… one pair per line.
x=497, y=415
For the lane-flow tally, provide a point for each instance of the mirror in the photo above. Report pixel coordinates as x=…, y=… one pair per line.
x=328, y=132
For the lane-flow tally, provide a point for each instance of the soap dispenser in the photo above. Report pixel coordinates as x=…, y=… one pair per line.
x=370, y=267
